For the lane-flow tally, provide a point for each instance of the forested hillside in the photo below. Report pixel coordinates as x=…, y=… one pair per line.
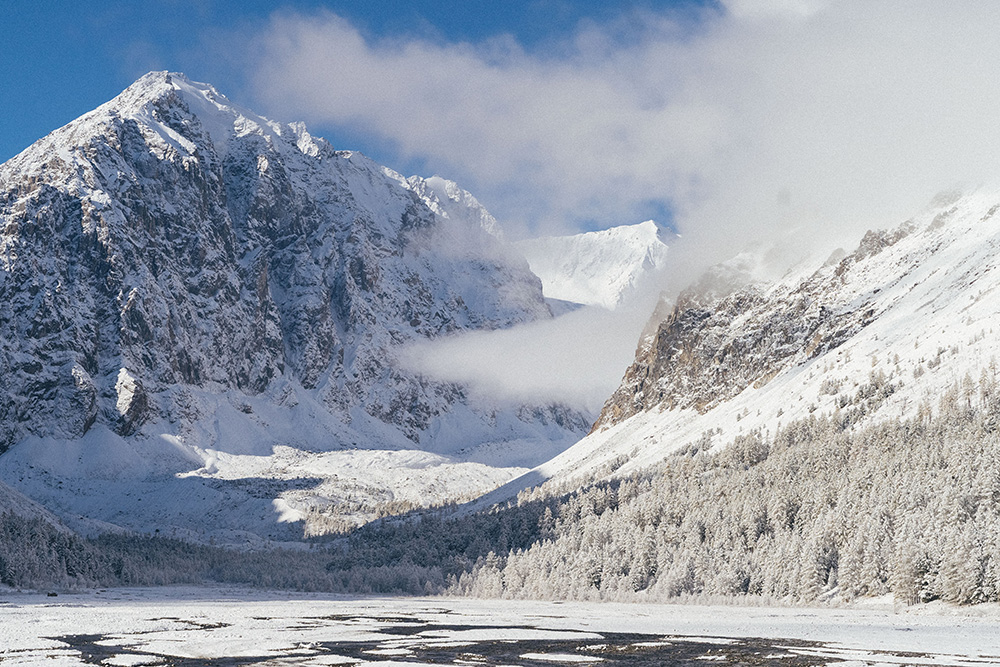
x=905, y=507
x=818, y=511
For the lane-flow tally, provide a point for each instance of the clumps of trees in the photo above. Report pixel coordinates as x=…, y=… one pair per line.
x=35, y=554
x=824, y=508
x=908, y=507
x=418, y=554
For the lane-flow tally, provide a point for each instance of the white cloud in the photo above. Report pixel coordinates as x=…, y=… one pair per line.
x=794, y=9
x=550, y=139
x=778, y=113
x=796, y=119
x=577, y=359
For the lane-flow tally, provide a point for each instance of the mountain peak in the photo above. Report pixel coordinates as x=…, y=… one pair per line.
x=148, y=99
x=157, y=87
x=602, y=268
x=181, y=272
x=175, y=115
x=154, y=81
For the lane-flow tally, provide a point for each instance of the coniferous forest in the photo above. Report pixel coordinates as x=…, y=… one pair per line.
x=819, y=510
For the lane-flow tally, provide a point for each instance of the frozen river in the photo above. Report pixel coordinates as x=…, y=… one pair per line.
x=221, y=626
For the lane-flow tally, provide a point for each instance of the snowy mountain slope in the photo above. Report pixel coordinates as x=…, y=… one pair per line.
x=600, y=268
x=182, y=279
x=878, y=334
x=20, y=505
x=448, y=200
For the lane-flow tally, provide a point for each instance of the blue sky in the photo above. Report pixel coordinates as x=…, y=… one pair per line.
x=61, y=58
x=735, y=120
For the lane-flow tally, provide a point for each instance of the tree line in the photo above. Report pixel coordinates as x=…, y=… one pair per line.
x=823, y=508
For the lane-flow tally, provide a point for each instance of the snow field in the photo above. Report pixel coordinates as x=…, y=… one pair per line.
x=601, y=268
x=147, y=626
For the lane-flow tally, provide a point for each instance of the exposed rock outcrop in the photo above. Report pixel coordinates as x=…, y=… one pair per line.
x=727, y=333
x=170, y=239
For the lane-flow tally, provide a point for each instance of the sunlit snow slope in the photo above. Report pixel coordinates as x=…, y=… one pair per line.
x=598, y=268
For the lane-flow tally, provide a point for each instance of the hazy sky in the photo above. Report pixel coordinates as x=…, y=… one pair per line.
x=60, y=59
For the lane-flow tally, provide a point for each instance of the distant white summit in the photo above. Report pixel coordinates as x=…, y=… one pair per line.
x=598, y=268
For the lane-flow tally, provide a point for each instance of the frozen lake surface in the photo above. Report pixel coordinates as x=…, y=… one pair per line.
x=224, y=626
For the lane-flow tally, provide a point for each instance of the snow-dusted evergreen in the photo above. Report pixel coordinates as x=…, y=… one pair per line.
x=184, y=283
x=819, y=510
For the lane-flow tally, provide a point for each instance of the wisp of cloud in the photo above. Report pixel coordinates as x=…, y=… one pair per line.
x=576, y=359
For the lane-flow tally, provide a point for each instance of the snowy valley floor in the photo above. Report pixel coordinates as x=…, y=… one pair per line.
x=225, y=626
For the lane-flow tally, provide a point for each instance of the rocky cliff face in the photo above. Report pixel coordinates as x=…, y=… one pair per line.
x=169, y=240
x=727, y=333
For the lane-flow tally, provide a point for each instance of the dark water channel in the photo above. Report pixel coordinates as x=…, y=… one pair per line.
x=419, y=643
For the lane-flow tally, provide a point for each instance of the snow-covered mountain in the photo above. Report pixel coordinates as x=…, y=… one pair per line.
x=602, y=268
x=198, y=304
x=829, y=435
x=207, y=323
x=448, y=200
x=880, y=333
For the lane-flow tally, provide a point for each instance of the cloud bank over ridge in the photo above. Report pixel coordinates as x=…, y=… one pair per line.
x=759, y=117
x=802, y=122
